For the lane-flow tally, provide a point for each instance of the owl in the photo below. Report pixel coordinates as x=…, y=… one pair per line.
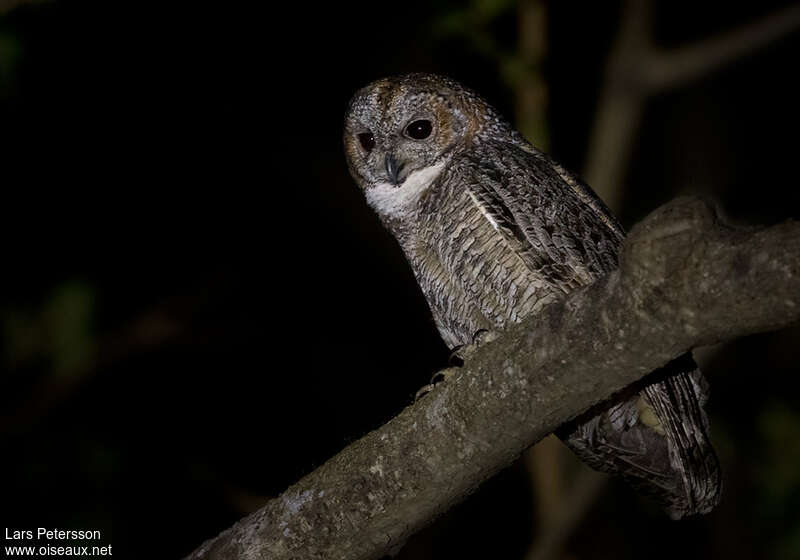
x=495, y=230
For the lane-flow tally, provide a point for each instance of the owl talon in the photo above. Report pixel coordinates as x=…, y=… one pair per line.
x=460, y=353
x=423, y=391
x=456, y=358
x=439, y=377
x=443, y=375
x=483, y=336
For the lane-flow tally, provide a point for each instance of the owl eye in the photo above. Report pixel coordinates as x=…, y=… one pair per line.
x=367, y=140
x=419, y=130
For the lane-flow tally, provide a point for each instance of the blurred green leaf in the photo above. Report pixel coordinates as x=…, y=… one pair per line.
x=21, y=337
x=60, y=332
x=778, y=476
x=10, y=50
x=479, y=13
x=68, y=317
x=780, y=469
x=789, y=545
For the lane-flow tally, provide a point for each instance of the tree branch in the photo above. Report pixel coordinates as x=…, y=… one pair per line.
x=671, y=68
x=8, y=5
x=637, y=69
x=563, y=521
x=684, y=281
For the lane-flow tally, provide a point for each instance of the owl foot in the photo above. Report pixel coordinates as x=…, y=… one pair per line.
x=457, y=358
x=460, y=353
x=443, y=375
x=438, y=377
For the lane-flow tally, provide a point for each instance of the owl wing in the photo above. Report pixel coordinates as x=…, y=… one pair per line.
x=656, y=439
x=551, y=220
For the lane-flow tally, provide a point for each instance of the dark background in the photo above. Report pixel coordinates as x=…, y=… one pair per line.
x=198, y=308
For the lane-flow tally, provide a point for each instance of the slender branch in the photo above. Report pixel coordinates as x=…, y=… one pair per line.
x=637, y=69
x=556, y=529
x=8, y=5
x=684, y=281
x=550, y=482
x=620, y=107
x=530, y=85
x=671, y=68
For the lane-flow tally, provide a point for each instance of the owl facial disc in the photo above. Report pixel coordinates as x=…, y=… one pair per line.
x=398, y=132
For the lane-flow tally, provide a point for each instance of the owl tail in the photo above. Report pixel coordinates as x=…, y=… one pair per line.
x=657, y=440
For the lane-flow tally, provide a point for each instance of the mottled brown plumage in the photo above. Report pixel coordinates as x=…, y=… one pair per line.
x=494, y=230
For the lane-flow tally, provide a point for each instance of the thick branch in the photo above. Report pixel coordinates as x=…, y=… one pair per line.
x=684, y=281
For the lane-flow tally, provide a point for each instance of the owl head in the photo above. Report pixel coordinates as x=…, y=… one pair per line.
x=400, y=131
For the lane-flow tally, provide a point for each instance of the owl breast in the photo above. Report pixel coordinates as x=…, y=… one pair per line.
x=471, y=277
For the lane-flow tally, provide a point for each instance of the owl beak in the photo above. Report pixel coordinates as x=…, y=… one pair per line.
x=392, y=169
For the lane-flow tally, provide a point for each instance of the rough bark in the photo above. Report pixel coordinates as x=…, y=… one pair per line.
x=685, y=280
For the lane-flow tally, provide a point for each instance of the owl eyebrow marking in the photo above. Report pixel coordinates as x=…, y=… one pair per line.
x=383, y=95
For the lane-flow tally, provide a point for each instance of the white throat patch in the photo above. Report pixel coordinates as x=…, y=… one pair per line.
x=395, y=201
